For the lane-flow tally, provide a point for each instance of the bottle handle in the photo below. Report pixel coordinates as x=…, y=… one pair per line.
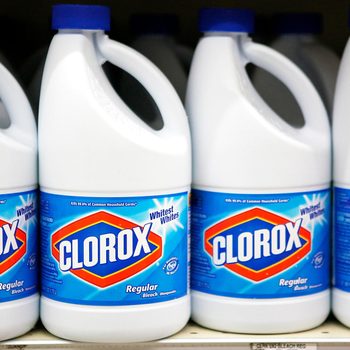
x=314, y=112
x=153, y=80
x=22, y=127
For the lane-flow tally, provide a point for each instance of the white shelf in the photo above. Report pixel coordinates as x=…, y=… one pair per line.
x=331, y=335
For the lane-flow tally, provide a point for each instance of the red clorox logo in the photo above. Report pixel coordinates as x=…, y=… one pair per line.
x=257, y=244
x=104, y=249
x=13, y=245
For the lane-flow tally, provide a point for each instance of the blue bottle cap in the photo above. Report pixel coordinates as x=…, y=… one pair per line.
x=226, y=20
x=299, y=23
x=152, y=23
x=89, y=17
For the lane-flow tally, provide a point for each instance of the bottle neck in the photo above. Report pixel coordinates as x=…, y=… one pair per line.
x=229, y=42
x=86, y=32
x=74, y=40
x=222, y=52
x=226, y=34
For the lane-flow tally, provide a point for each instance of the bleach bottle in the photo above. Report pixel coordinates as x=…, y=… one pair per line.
x=19, y=299
x=341, y=176
x=298, y=39
x=114, y=192
x=261, y=198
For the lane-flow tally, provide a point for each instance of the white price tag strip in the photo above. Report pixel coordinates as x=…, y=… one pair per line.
x=283, y=346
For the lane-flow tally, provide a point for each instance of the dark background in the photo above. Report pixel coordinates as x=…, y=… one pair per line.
x=25, y=24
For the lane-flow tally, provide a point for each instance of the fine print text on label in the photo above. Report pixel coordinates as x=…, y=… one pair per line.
x=283, y=346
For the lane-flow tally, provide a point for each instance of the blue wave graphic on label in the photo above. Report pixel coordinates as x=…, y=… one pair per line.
x=259, y=246
x=18, y=245
x=114, y=251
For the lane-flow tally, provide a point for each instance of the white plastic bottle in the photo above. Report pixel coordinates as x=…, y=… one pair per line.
x=341, y=176
x=261, y=198
x=19, y=298
x=114, y=192
x=298, y=39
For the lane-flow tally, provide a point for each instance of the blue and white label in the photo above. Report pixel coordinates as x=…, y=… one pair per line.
x=260, y=246
x=114, y=251
x=342, y=238
x=18, y=246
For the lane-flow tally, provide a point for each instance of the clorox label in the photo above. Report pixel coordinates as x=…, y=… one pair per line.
x=18, y=253
x=257, y=244
x=342, y=238
x=260, y=246
x=104, y=249
x=114, y=251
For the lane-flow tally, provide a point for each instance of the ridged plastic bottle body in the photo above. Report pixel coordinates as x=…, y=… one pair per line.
x=341, y=173
x=242, y=149
x=110, y=153
x=18, y=185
